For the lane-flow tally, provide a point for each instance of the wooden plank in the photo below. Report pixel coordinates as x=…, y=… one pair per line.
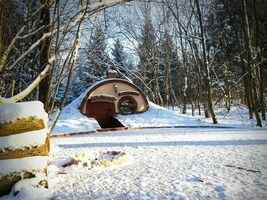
x=21, y=126
x=42, y=150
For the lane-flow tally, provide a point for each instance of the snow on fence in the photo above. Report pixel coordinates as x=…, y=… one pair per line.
x=24, y=143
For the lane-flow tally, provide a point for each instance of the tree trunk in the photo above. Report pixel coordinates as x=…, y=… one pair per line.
x=13, y=85
x=184, y=64
x=44, y=86
x=228, y=100
x=184, y=105
x=167, y=94
x=198, y=95
x=3, y=87
x=156, y=78
x=175, y=101
x=250, y=62
x=193, y=108
x=199, y=108
x=167, y=83
x=2, y=3
x=261, y=55
x=262, y=102
x=247, y=96
x=206, y=66
x=206, y=111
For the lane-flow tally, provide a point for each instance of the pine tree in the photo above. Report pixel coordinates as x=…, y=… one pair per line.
x=96, y=59
x=119, y=54
x=149, y=57
x=167, y=61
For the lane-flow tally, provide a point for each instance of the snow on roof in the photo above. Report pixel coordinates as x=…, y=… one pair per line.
x=131, y=92
x=71, y=120
x=13, y=111
x=111, y=71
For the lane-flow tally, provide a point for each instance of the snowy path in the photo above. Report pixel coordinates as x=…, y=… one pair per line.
x=166, y=164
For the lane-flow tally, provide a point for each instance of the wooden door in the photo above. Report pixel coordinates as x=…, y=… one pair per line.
x=102, y=112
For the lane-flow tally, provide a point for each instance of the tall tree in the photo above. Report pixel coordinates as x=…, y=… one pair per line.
x=149, y=56
x=168, y=63
x=2, y=4
x=118, y=53
x=250, y=62
x=44, y=86
x=205, y=64
x=96, y=58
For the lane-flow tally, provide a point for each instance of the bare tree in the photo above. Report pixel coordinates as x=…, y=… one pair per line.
x=250, y=63
x=51, y=33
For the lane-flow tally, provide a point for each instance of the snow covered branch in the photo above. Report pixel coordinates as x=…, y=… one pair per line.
x=88, y=9
x=31, y=48
x=32, y=33
x=106, y=4
x=31, y=87
x=6, y=53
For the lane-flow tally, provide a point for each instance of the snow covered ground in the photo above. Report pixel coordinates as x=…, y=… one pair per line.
x=197, y=163
x=157, y=116
x=174, y=163
x=164, y=163
x=237, y=117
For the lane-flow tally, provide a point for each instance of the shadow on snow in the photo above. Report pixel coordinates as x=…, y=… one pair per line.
x=167, y=143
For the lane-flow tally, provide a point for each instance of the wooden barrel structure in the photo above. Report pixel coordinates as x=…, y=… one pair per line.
x=24, y=143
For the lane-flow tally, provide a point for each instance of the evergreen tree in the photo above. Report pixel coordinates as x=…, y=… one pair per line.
x=119, y=54
x=223, y=47
x=97, y=56
x=149, y=58
x=166, y=62
x=96, y=59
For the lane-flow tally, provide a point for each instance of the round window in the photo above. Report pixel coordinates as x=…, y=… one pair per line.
x=127, y=105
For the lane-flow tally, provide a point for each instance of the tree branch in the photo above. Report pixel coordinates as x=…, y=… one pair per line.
x=31, y=87
x=6, y=53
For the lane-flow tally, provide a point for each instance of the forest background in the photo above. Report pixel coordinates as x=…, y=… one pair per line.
x=203, y=53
